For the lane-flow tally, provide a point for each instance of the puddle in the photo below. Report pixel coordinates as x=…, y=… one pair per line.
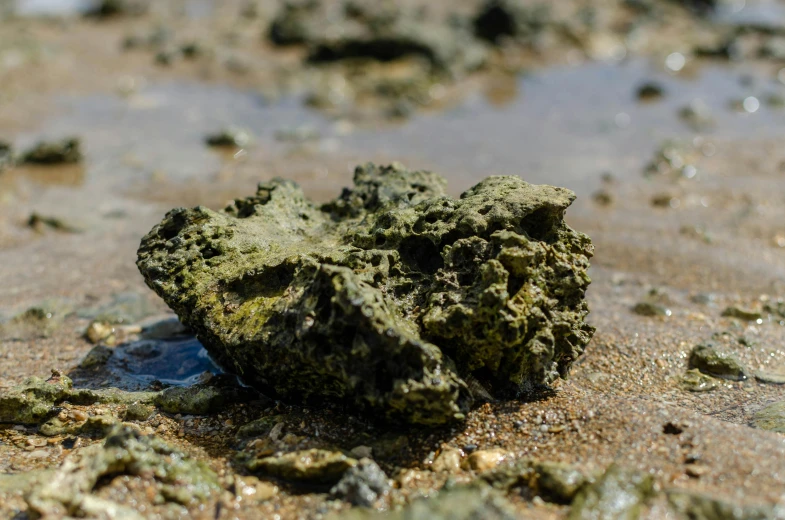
x=568, y=125
x=51, y=7
x=173, y=361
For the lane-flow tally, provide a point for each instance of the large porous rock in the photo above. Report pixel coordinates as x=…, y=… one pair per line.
x=386, y=298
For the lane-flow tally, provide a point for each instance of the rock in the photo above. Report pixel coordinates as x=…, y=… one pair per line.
x=311, y=303
x=373, y=31
x=99, y=331
x=650, y=309
x=551, y=481
x=362, y=452
x=116, y=8
x=519, y=20
x=67, y=151
x=649, y=92
x=362, y=484
x=771, y=417
x=41, y=223
x=230, y=137
x=694, y=381
x=260, y=427
x=485, y=460
x=557, y=482
x=295, y=23
x=710, y=361
x=618, y=494
x=33, y=401
x=6, y=156
x=138, y=412
x=742, y=314
x=69, y=490
x=314, y=465
x=203, y=398
x=449, y=460
x=97, y=357
x=772, y=378
x=40, y=321
x=470, y=502
x=251, y=488
x=696, y=506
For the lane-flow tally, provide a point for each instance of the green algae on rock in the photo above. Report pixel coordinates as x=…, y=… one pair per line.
x=386, y=297
x=68, y=491
x=711, y=361
x=620, y=493
x=314, y=465
x=771, y=417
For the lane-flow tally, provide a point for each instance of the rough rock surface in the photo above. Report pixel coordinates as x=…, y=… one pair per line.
x=385, y=298
x=68, y=491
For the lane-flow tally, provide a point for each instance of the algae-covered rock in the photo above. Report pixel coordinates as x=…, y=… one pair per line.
x=68, y=492
x=385, y=297
x=33, y=401
x=695, y=381
x=66, y=151
x=377, y=31
x=619, y=494
x=315, y=465
x=711, y=361
x=771, y=417
x=203, y=398
x=519, y=20
x=467, y=502
x=696, y=506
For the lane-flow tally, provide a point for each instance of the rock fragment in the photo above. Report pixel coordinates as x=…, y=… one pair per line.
x=619, y=494
x=711, y=361
x=68, y=492
x=771, y=417
x=362, y=484
x=697, y=506
x=314, y=465
x=385, y=296
x=66, y=151
x=458, y=503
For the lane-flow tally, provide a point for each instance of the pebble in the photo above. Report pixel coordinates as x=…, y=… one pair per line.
x=484, y=460
x=712, y=362
x=771, y=417
x=362, y=452
x=449, y=460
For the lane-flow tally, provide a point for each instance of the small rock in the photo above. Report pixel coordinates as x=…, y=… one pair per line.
x=694, y=381
x=742, y=314
x=469, y=502
x=650, y=309
x=618, y=494
x=362, y=452
x=260, y=427
x=362, y=484
x=99, y=331
x=67, y=151
x=97, y=357
x=138, y=412
x=6, y=155
x=485, y=460
x=698, y=506
x=602, y=198
x=314, y=465
x=649, y=92
x=772, y=378
x=251, y=488
x=558, y=482
x=230, y=137
x=449, y=460
x=40, y=223
x=771, y=417
x=717, y=364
